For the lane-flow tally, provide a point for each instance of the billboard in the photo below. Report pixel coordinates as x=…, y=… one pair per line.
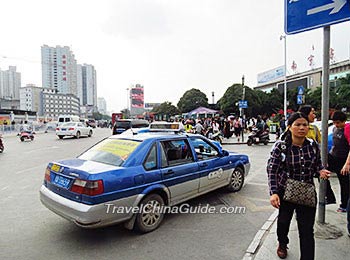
x=271, y=75
x=137, y=96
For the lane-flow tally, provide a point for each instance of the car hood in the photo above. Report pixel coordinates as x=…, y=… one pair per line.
x=90, y=167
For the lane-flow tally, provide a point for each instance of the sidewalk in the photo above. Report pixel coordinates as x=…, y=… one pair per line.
x=264, y=245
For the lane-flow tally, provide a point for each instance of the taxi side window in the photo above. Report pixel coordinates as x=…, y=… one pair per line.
x=151, y=160
x=176, y=152
x=204, y=150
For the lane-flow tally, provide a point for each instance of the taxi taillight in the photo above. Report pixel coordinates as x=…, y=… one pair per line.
x=47, y=174
x=57, y=129
x=71, y=128
x=90, y=188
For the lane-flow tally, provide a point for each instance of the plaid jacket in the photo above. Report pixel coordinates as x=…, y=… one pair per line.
x=304, y=163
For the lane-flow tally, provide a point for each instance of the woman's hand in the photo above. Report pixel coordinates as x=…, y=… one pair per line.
x=275, y=201
x=324, y=174
x=345, y=170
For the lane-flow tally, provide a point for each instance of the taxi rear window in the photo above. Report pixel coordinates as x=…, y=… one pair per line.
x=111, y=151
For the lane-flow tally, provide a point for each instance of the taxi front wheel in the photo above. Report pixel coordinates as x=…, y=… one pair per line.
x=151, y=214
x=237, y=180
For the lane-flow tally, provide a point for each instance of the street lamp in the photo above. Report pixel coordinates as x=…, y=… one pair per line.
x=285, y=75
x=127, y=102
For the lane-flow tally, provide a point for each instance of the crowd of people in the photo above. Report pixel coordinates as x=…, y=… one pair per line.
x=227, y=127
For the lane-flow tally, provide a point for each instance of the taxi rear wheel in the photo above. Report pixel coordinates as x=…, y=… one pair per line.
x=151, y=216
x=237, y=180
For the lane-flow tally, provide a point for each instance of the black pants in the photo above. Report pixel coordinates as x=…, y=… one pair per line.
x=305, y=220
x=335, y=164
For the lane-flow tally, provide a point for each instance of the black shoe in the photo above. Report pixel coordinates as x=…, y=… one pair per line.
x=282, y=251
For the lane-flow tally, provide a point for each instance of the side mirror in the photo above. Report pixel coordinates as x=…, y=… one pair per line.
x=225, y=153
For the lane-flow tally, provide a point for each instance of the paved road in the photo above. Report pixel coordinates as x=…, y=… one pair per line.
x=30, y=231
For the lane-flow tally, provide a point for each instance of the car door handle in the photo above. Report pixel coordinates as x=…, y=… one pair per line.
x=169, y=172
x=203, y=165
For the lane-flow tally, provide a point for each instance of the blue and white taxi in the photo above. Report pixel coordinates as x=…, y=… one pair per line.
x=124, y=178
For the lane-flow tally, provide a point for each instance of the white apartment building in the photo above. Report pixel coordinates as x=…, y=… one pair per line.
x=10, y=83
x=59, y=69
x=102, y=105
x=55, y=104
x=29, y=97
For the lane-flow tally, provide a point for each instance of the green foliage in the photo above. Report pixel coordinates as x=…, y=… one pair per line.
x=166, y=108
x=192, y=99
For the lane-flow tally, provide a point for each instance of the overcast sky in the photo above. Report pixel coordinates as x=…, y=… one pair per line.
x=168, y=46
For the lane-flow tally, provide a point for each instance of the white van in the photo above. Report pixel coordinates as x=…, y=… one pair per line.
x=67, y=118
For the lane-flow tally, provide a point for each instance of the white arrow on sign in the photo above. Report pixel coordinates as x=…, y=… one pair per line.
x=336, y=5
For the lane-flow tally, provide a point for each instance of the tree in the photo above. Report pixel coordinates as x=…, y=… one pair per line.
x=229, y=101
x=192, y=99
x=166, y=108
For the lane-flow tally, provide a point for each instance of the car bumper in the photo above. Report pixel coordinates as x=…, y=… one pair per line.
x=88, y=216
x=68, y=133
x=246, y=168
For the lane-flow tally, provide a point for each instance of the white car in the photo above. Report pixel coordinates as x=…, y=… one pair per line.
x=76, y=129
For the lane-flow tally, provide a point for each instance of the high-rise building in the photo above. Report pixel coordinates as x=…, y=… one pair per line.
x=10, y=83
x=102, y=105
x=59, y=69
x=88, y=91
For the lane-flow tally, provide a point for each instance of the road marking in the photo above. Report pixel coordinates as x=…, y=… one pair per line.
x=257, y=183
x=42, y=149
x=32, y=168
x=4, y=188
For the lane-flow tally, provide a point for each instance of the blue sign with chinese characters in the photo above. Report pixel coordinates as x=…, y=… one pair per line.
x=243, y=104
x=304, y=15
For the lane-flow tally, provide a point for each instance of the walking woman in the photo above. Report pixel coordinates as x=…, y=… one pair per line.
x=297, y=158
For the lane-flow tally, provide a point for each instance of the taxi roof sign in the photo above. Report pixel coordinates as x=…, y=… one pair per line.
x=166, y=127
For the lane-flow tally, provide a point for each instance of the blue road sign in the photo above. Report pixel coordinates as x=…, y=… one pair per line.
x=243, y=104
x=300, y=90
x=304, y=15
x=300, y=99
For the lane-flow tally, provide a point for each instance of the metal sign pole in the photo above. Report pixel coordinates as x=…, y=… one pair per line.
x=324, y=116
x=243, y=121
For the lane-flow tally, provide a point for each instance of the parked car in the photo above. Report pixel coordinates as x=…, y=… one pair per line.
x=76, y=129
x=138, y=175
x=121, y=125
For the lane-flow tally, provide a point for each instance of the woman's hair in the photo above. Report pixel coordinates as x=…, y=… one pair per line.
x=287, y=135
x=306, y=109
x=339, y=116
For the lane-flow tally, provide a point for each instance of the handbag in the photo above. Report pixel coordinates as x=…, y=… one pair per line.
x=301, y=193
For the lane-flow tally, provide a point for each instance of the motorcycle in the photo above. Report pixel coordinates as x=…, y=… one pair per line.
x=26, y=135
x=257, y=138
x=217, y=137
x=1, y=144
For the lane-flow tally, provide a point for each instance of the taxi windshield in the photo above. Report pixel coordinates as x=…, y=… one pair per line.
x=110, y=151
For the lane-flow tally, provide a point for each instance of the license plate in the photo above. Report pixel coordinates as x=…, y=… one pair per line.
x=63, y=129
x=257, y=139
x=61, y=181
x=55, y=168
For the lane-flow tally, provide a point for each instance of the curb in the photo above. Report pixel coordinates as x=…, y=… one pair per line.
x=254, y=245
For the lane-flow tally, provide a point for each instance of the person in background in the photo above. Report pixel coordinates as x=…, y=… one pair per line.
x=337, y=158
x=283, y=124
x=314, y=133
x=301, y=156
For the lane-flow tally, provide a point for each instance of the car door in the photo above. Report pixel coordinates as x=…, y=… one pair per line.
x=179, y=170
x=213, y=168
